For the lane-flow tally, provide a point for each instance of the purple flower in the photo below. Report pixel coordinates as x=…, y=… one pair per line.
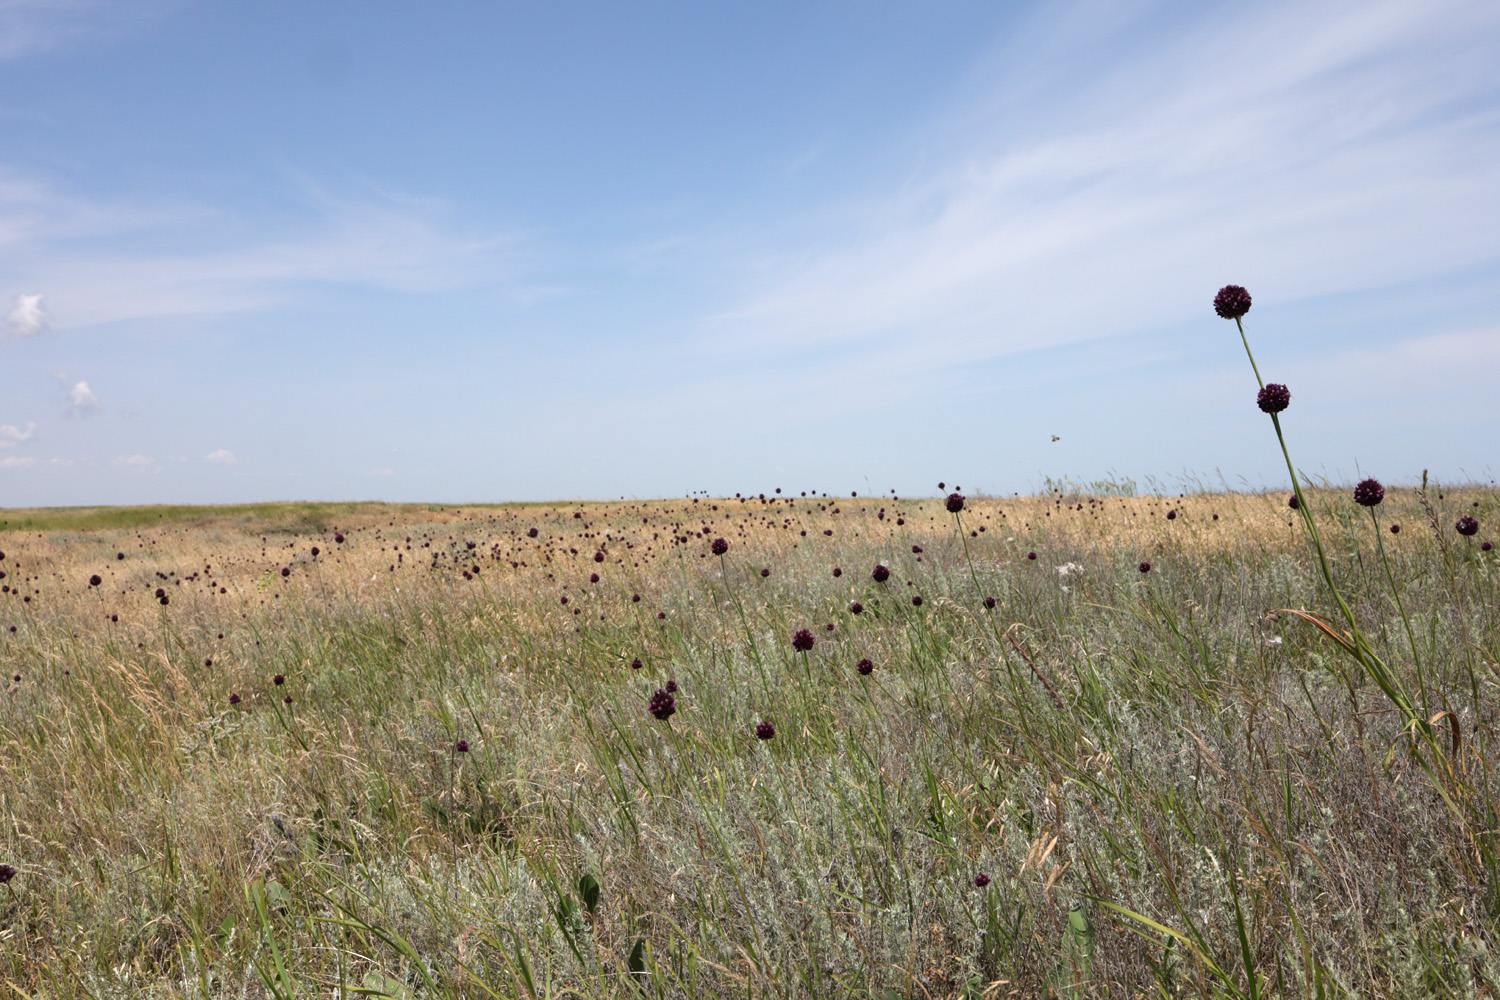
x=865, y=666
x=1031, y=555
x=981, y=880
x=7, y=872
x=279, y=680
x=462, y=746
x=1467, y=526
x=662, y=705
x=1273, y=398
x=635, y=664
x=1395, y=529
x=916, y=602
x=532, y=533
x=916, y=550
x=856, y=608
x=765, y=573
x=837, y=572
x=593, y=578
x=287, y=699
x=880, y=573
x=1369, y=493
x=764, y=731
x=1144, y=567
x=719, y=547
x=802, y=640
x=672, y=685
x=989, y=602
x=1485, y=546
x=234, y=699
x=1293, y=502
x=1232, y=302
x=286, y=571
x=955, y=503
x=95, y=580
x=338, y=536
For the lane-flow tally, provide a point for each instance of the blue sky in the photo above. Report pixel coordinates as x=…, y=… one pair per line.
x=467, y=252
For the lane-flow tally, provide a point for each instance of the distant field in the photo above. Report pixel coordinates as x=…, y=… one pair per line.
x=313, y=749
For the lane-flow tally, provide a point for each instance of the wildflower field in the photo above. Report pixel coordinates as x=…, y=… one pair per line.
x=776, y=745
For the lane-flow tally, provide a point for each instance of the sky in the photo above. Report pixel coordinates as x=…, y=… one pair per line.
x=464, y=252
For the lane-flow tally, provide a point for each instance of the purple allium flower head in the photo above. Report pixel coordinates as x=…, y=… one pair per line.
x=635, y=664
x=765, y=573
x=981, y=880
x=338, y=536
x=462, y=746
x=1395, y=529
x=7, y=872
x=662, y=705
x=856, y=608
x=95, y=580
x=1031, y=555
x=955, y=503
x=279, y=680
x=287, y=699
x=1485, y=546
x=989, y=602
x=661, y=616
x=865, y=666
x=234, y=699
x=1369, y=493
x=916, y=550
x=286, y=571
x=598, y=557
x=1171, y=515
x=160, y=593
x=593, y=578
x=916, y=602
x=764, y=731
x=1293, y=502
x=719, y=547
x=880, y=573
x=316, y=551
x=1466, y=526
x=532, y=533
x=1273, y=398
x=1232, y=302
x=672, y=685
x=837, y=572
x=1144, y=567
x=802, y=640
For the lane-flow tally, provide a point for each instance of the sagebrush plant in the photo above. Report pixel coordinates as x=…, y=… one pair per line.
x=469, y=796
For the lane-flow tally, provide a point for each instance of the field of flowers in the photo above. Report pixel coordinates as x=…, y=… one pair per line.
x=787, y=744
x=775, y=745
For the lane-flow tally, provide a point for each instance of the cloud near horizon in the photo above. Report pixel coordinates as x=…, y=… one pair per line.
x=28, y=317
x=11, y=435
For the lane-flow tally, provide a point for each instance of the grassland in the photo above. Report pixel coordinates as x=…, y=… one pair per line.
x=1168, y=791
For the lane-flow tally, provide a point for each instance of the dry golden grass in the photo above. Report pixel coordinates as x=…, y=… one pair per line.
x=146, y=814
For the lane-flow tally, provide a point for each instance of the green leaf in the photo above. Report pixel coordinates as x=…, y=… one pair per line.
x=636, y=963
x=588, y=891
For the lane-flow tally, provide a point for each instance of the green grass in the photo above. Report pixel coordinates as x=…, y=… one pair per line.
x=1171, y=793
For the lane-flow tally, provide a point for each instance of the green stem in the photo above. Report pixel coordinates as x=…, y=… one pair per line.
x=1400, y=607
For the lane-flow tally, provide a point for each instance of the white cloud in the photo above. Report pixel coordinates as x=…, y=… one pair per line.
x=16, y=462
x=1326, y=150
x=28, y=317
x=221, y=457
x=11, y=435
x=77, y=249
x=82, y=399
x=133, y=461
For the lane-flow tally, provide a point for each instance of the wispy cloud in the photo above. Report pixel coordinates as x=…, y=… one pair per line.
x=17, y=462
x=88, y=253
x=11, y=435
x=137, y=461
x=30, y=27
x=221, y=457
x=1302, y=150
x=27, y=318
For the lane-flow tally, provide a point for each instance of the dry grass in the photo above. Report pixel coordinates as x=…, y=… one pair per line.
x=1223, y=775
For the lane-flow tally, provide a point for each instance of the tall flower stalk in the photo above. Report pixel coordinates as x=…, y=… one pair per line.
x=1233, y=302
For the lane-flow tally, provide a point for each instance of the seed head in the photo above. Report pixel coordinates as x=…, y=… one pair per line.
x=1369, y=493
x=1232, y=302
x=764, y=731
x=802, y=640
x=1467, y=526
x=955, y=503
x=662, y=705
x=1273, y=398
